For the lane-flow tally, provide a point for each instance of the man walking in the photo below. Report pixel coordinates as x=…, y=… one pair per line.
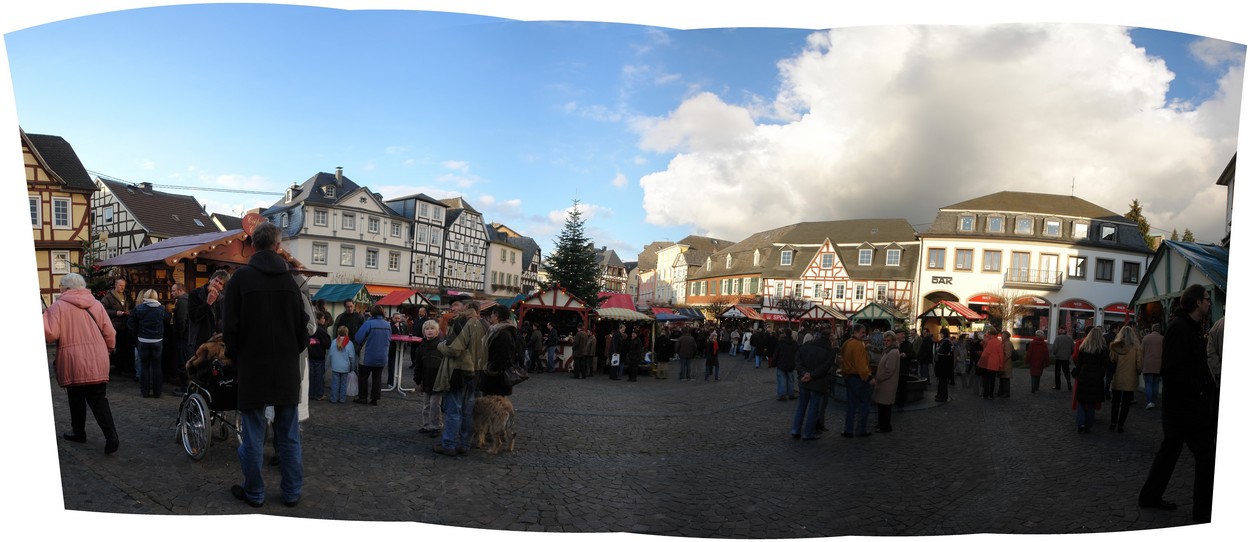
x=583, y=350
x=1152, y=363
x=686, y=349
x=1190, y=408
x=1062, y=350
x=265, y=331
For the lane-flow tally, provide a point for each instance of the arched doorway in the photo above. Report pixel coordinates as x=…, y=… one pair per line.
x=1076, y=315
x=1034, y=315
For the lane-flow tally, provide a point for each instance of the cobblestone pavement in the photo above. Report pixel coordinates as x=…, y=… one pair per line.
x=690, y=459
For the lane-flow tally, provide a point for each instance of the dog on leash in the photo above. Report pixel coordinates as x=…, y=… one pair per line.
x=494, y=419
x=213, y=349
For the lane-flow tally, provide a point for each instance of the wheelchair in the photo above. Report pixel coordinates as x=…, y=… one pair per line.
x=208, y=411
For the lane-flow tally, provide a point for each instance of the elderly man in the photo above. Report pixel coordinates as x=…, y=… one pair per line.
x=118, y=305
x=859, y=382
x=465, y=351
x=265, y=329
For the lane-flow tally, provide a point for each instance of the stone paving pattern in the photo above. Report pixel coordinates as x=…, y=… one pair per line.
x=665, y=457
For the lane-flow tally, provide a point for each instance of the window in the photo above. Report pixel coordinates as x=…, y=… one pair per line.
x=1104, y=269
x=423, y=233
x=1053, y=225
x=1130, y=273
x=392, y=261
x=396, y=230
x=349, y=221
x=347, y=256
x=963, y=259
x=108, y=215
x=859, y=291
x=737, y=287
x=756, y=259
x=375, y=225
x=60, y=212
x=729, y=261
x=839, y=291
x=826, y=261
x=787, y=257
x=34, y=210
x=724, y=286
x=424, y=210
x=992, y=261
x=503, y=256
x=319, y=251
x=1024, y=225
x=816, y=291
x=60, y=262
x=436, y=236
x=512, y=256
x=881, y=291
x=1076, y=267
x=421, y=266
x=994, y=224
x=893, y=257
x=438, y=213
x=865, y=256
x=1019, y=266
x=494, y=277
x=286, y=220
x=1080, y=230
x=1107, y=233
x=371, y=258
x=329, y=190
x=755, y=285
x=320, y=217
x=937, y=258
x=967, y=223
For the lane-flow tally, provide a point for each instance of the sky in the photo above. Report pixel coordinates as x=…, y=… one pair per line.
x=661, y=121
x=658, y=133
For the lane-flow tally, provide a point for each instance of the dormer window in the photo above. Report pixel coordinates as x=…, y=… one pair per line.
x=994, y=224
x=787, y=257
x=1080, y=230
x=1052, y=227
x=729, y=261
x=865, y=256
x=289, y=195
x=286, y=220
x=1107, y=233
x=1024, y=225
x=893, y=256
x=756, y=259
x=329, y=190
x=967, y=223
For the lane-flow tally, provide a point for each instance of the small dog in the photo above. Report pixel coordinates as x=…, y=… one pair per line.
x=213, y=349
x=494, y=418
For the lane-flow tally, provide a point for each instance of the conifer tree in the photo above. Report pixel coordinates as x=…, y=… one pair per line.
x=1188, y=236
x=1175, y=236
x=572, y=264
x=1143, y=225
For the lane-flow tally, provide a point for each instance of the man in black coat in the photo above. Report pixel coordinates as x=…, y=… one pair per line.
x=203, y=310
x=783, y=358
x=1190, y=407
x=265, y=329
x=814, y=365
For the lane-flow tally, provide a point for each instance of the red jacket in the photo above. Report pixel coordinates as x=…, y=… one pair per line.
x=78, y=323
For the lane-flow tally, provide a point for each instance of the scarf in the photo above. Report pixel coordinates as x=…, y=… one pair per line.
x=341, y=343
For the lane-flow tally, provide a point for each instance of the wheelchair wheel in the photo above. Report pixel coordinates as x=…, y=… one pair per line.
x=194, y=425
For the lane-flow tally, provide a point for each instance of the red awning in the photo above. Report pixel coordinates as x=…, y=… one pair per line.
x=983, y=298
x=395, y=298
x=1076, y=304
x=1121, y=308
x=1032, y=301
x=617, y=301
x=776, y=317
x=961, y=310
x=662, y=310
x=384, y=290
x=740, y=311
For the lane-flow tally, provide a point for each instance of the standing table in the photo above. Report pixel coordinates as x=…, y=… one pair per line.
x=402, y=342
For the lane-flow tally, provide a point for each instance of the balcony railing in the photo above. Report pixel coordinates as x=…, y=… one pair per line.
x=1047, y=279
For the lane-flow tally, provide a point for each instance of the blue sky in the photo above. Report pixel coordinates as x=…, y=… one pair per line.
x=658, y=132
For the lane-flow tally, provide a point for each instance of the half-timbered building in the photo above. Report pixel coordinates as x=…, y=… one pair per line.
x=134, y=215
x=426, y=230
x=531, y=257
x=464, y=248
x=59, y=189
x=612, y=272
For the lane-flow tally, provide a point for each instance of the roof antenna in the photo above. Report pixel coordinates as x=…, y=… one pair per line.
x=1073, y=192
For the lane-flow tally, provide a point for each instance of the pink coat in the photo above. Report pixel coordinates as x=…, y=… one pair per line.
x=78, y=323
x=992, y=357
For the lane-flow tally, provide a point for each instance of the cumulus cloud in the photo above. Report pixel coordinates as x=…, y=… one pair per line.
x=897, y=121
x=620, y=181
x=456, y=165
x=1214, y=53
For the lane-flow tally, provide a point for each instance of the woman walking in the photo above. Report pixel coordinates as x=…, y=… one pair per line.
x=1126, y=358
x=147, y=323
x=887, y=380
x=1090, y=370
x=712, y=365
x=84, y=336
x=1039, y=359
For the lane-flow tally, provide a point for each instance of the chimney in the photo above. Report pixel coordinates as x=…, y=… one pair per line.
x=338, y=176
x=145, y=187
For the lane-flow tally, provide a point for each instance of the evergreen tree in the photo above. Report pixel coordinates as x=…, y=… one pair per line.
x=1175, y=236
x=572, y=264
x=1143, y=225
x=1188, y=236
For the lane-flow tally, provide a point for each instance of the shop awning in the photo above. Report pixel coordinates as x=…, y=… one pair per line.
x=617, y=300
x=692, y=314
x=220, y=247
x=1032, y=301
x=382, y=290
x=338, y=293
x=1076, y=304
x=616, y=313
x=951, y=309
x=984, y=298
x=1118, y=308
x=740, y=311
x=401, y=297
x=662, y=310
x=821, y=312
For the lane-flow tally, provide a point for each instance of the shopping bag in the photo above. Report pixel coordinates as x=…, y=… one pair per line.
x=352, y=385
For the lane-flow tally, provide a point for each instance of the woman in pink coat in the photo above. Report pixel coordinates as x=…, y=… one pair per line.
x=84, y=337
x=1038, y=358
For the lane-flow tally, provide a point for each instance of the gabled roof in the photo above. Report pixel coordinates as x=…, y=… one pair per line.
x=313, y=191
x=60, y=160
x=1210, y=260
x=1040, y=206
x=706, y=244
x=605, y=256
x=647, y=259
x=227, y=222
x=1035, y=203
x=160, y=213
x=743, y=254
x=459, y=203
x=419, y=196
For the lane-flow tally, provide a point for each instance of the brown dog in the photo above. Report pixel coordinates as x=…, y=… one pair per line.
x=494, y=418
x=213, y=349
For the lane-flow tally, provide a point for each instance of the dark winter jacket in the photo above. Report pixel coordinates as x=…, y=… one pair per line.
x=1190, y=394
x=500, y=352
x=944, y=359
x=786, y=350
x=426, y=358
x=147, y=321
x=1089, y=373
x=318, y=351
x=815, y=357
x=203, y=320
x=265, y=329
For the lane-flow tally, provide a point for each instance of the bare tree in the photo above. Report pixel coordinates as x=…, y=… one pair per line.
x=1006, y=307
x=718, y=304
x=791, y=306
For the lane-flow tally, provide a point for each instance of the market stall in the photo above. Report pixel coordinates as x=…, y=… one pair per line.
x=561, y=309
x=331, y=297
x=942, y=313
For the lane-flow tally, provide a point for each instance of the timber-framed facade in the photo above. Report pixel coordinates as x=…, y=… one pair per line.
x=59, y=191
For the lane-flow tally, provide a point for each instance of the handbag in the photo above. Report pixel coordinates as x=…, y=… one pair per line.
x=515, y=374
x=353, y=385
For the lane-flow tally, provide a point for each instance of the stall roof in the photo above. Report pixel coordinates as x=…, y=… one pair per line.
x=223, y=247
x=617, y=300
x=740, y=311
x=400, y=297
x=617, y=313
x=554, y=298
x=821, y=312
x=875, y=311
x=951, y=309
x=693, y=314
x=511, y=301
x=337, y=293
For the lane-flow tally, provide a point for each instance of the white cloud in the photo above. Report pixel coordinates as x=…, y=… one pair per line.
x=620, y=181
x=897, y=121
x=456, y=165
x=1213, y=53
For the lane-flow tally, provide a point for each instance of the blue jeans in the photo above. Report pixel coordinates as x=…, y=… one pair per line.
x=785, y=383
x=733, y=350
x=858, y=403
x=551, y=358
x=287, y=441
x=338, y=387
x=684, y=372
x=1152, y=387
x=316, y=378
x=458, y=416
x=806, y=413
x=149, y=359
x=757, y=360
x=1084, y=414
x=711, y=370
